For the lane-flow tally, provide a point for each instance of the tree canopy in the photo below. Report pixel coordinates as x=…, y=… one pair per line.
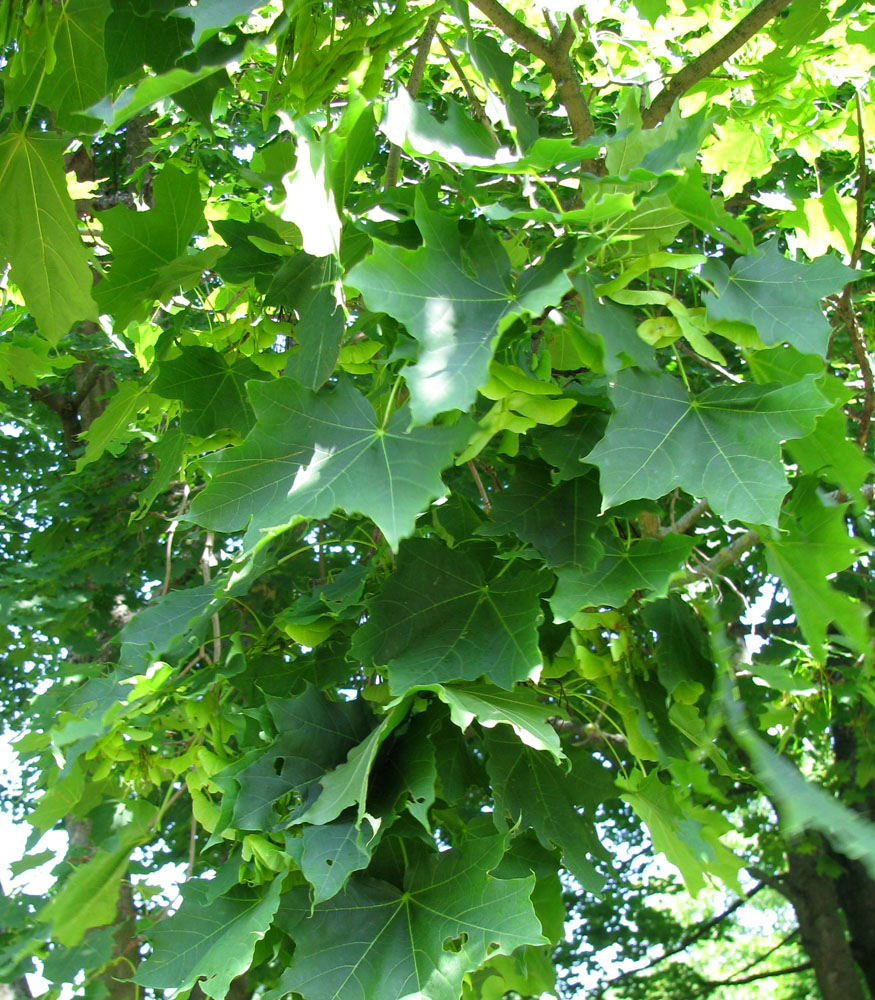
x=436, y=473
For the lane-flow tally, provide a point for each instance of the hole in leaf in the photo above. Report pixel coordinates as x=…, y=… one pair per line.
x=278, y=765
x=329, y=862
x=455, y=944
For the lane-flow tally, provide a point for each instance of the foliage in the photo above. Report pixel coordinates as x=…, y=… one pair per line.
x=409, y=413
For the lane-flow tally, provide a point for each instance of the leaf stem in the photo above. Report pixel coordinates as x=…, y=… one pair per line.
x=388, y=410
x=681, y=369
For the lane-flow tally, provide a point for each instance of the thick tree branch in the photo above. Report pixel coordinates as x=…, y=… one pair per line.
x=725, y=557
x=710, y=59
x=554, y=55
x=683, y=524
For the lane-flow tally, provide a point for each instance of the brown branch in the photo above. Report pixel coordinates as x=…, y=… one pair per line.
x=733, y=977
x=476, y=106
x=521, y=33
x=393, y=162
x=786, y=971
x=90, y=382
x=586, y=732
x=710, y=59
x=554, y=55
x=725, y=557
x=846, y=310
x=862, y=184
x=484, y=496
x=845, y=304
x=683, y=524
x=692, y=937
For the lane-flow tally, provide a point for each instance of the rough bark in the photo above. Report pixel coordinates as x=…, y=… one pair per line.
x=822, y=932
x=854, y=887
x=126, y=953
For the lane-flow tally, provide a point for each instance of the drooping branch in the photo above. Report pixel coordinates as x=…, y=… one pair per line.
x=710, y=59
x=788, y=970
x=555, y=55
x=688, y=939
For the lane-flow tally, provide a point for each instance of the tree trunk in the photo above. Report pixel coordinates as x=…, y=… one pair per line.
x=126, y=953
x=815, y=900
x=855, y=887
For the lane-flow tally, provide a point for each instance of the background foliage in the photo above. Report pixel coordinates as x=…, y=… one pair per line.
x=437, y=478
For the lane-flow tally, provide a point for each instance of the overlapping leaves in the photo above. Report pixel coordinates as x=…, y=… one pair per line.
x=723, y=444
x=452, y=295
x=375, y=939
x=311, y=453
x=442, y=617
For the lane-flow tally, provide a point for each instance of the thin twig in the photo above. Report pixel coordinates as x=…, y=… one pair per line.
x=845, y=303
x=788, y=970
x=206, y=563
x=707, y=363
x=710, y=59
x=476, y=106
x=690, y=938
x=171, y=531
x=192, y=840
x=484, y=496
x=393, y=163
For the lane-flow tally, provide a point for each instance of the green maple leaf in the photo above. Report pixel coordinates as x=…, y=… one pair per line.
x=327, y=855
x=739, y=150
x=305, y=284
x=314, y=736
x=683, y=659
x=688, y=835
x=137, y=37
x=373, y=940
x=646, y=564
x=778, y=296
x=690, y=196
x=144, y=242
x=558, y=520
x=813, y=545
x=78, y=77
x=614, y=325
x=490, y=706
x=89, y=897
x=531, y=789
x=440, y=618
x=177, y=621
x=39, y=235
x=209, y=940
x=310, y=453
x=212, y=390
x=347, y=784
x=245, y=261
x=452, y=298
x=723, y=444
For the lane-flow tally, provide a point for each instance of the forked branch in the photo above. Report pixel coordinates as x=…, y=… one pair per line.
x=555, y=55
